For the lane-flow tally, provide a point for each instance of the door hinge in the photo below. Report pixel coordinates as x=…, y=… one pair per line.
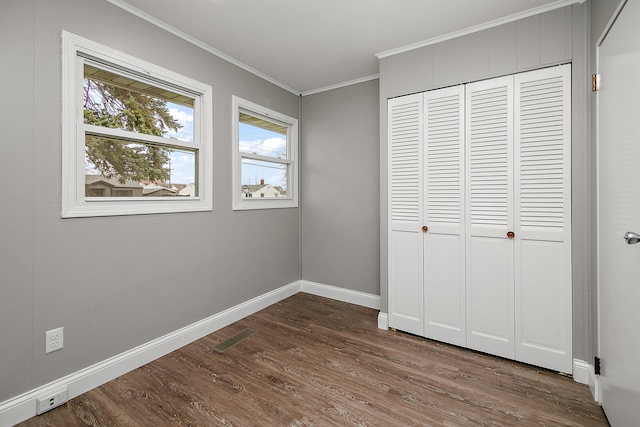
x=595, y=82
x=596, y=365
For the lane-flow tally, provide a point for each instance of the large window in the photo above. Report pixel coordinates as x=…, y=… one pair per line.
x=265, y=163
x=136, y=138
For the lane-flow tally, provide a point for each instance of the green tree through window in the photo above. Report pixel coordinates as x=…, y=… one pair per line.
x=118, y=106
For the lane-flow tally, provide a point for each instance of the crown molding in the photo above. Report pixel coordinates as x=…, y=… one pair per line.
x=496, y=22
x=143, y=15
x=343, y=84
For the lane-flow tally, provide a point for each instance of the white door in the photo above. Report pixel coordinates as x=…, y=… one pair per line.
x=542, y=172
x=406, y=295
x=444, y=273
x=619, y=212
x=489, y=216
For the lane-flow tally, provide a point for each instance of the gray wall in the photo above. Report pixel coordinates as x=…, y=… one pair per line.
x=340, y=194
x=550, y=38
x=115, y=283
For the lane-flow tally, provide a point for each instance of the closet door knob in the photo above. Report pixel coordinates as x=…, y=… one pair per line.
x=425, y=228
x=511, y=234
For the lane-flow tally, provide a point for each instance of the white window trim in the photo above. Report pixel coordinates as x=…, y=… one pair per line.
x=73, y=142
x=291, y=201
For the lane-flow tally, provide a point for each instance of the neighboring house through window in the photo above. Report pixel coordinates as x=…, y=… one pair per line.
x=134, y=134
x=265, y=169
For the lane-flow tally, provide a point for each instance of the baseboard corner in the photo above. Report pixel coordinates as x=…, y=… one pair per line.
x=23, y=407
x=584, y=373
x=594, y=384
x=383, y=321
x=580, y=371
x=341, y=294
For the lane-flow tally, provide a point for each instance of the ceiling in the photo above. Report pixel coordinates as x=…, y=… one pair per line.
x=308, y=46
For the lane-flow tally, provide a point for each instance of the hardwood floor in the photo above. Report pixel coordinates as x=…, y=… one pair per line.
x=318, y=362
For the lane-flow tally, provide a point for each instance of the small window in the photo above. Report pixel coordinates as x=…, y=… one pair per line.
x=265, y=166
x=134, y=135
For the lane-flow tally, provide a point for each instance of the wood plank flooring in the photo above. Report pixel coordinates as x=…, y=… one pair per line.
x=320, y=362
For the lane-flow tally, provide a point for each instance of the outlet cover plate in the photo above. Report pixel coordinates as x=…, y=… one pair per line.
x=54, y=340
x=51, y=400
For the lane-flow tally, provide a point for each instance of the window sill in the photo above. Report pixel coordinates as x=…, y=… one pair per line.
x=147, y=207
x=258, y=203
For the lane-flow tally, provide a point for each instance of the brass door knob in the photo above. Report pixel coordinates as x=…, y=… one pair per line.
x=511, y=234
x=425, y=228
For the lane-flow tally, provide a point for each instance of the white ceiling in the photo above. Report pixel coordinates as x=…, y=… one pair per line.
x=306, y=46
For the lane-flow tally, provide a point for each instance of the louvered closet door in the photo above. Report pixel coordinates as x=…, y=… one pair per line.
x=543, y=212
x=489, y=205
x=444, y=278
x=406, y=310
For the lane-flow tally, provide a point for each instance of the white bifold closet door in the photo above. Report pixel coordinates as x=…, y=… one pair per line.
x=444, y=243
x=518, y=254
x=405, y=211
x=542, y=154
x=479, y=216
x=489, y=183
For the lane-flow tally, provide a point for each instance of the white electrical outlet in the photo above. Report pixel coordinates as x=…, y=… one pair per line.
x=54, y=340
x=51, y=400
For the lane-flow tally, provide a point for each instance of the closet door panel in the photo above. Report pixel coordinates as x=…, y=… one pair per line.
x=490, y=297
x=542, y=215
x=479, y=216
x=489, y=207
x=444, y=289
x=406, y=311
x=542, y=336
x=444, y=271
x=405, y=211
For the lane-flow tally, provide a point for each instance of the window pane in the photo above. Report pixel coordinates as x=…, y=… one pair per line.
x=262, y=137
x=119, y=168
x=116, y=101
x=263, y=179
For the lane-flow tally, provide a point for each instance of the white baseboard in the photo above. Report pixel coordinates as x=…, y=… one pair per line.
x=341, y=294
x=383, y=321
x=594, y=384
x=580, y=371
x=23, y=407
x=584, y=373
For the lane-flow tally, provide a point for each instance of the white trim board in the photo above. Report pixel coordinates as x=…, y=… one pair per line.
x=584, y=373
x=341, y=85
x=505, y=20
x=23, y=407
x=383, y=321
x=158, y=23
x=340, y=294
x=580, y=371
x=594, y=384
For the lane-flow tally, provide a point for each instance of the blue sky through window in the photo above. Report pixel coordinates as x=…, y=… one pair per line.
x=253, y=139
x=257, y=140
x=182, y=162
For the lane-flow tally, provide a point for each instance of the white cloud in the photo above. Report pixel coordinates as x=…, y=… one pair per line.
x=275, y=144
x=181, y=116
x=249, y=146
x=185, y=118
x=183, y=160
x=269, y=147
x=182, y=168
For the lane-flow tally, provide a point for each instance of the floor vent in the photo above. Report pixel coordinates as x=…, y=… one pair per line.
x=236, y=339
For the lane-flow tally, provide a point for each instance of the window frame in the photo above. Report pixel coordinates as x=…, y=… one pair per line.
x=75, y=51
x=256, y=110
